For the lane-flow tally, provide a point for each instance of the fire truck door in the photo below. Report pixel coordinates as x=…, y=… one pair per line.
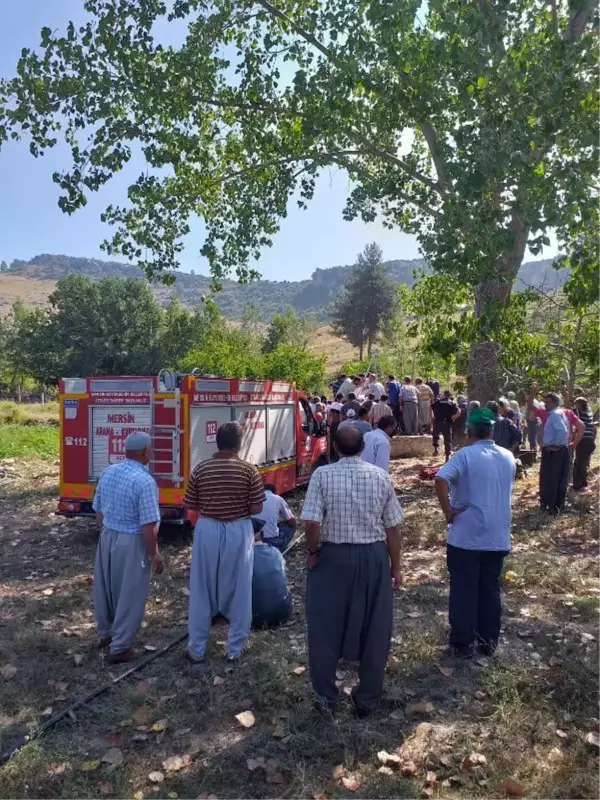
x=204, y=422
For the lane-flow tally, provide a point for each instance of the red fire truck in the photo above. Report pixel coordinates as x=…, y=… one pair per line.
x=182, y=414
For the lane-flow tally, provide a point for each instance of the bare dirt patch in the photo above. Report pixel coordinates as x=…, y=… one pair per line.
x=458, y=730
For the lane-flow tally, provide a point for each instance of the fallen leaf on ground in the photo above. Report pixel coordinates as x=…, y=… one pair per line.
x=300, y=671
x=105, y=787
x=512, y=788
x=409, y=768
x=78, y=659
x=351, y=783
x=113, y=757
x=48, y=592
x=59, y=769
x=425, y=707
x=446, y=671
x=182, y=732
x=149, y=648
x=89, y=766
x=256, y=763
x=246, y=718
x=338, y=772
x=156, y=777
x=279, y=731
x=139, y=737
x=8, y=671
x=143, y=687
x=479, y=695
x=560, y=734
x=593, y=739
x=385, y=771
x=61, y=686
x=427, y=791
x=160, y=726
x=138, y=796
x=471, y=761
x=430, y=778
x=319, y=796
x=391, y=760
x=510, y=576
x=142, y=715
x=47, y=712
x=218, y=680
x=172, y=795
x=446, y=761
x=175, y=763
x=554, y=661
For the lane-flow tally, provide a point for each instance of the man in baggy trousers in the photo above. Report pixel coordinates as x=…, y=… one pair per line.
x=352, y=523
x=126, y=506
x=224, y=492
x=480, y=478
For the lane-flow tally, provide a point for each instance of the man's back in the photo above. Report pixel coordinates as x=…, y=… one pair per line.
x=126, y=496
x=224, y=488
x=443, y=410
x=354, y=501
x=506, y=434
x=377, y=449
x=481, y=478
x=270, y=593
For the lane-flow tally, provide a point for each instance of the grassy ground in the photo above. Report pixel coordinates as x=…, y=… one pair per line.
x=526, y=712
x=28, y=441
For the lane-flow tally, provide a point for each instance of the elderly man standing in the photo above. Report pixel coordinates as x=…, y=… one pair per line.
x=224, y=492
x=378, y=444
x=474, y=491
x=126, y=506
x=556, y=443
x=352, y=518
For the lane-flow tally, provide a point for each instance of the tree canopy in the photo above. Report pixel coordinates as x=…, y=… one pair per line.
x=473, y=125
x=116, y=327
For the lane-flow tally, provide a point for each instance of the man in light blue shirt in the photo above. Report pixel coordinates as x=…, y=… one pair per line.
x=474, y=490
x=126, y=506
x=378, y=445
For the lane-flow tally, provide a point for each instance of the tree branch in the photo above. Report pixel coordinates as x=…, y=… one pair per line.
x=308, y=37
x=578, y=21
x=426, y=127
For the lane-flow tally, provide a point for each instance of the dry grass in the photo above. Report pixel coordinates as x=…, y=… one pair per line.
x=34, y=293
x=337, y=351
x=543, y=680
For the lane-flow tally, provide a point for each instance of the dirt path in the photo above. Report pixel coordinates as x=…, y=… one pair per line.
x=525, y=714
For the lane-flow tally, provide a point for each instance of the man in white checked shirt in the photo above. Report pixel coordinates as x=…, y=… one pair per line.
x=352, y=521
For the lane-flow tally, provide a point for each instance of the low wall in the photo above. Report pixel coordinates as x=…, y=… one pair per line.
x=411, y=446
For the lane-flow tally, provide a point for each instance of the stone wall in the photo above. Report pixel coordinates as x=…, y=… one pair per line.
x=411, y=446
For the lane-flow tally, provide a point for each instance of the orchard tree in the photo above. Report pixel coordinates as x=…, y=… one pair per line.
x=366, y=302
x=289, y=329
x=472, y=124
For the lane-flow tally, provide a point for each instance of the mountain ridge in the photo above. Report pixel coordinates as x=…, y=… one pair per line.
x=309, y=297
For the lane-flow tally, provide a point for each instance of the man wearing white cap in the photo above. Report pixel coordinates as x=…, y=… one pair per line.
x=126, y=506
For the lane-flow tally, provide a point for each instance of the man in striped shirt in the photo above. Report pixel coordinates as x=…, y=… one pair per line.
x=586, y=446
x=223, y=493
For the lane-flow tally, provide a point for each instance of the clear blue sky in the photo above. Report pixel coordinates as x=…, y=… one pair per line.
x=32, y=223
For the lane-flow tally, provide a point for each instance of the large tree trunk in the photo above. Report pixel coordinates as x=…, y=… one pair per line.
x=484, y=376
x=361, y=349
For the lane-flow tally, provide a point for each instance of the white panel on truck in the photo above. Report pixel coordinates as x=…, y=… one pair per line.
x=280, y=433
x=204, y=423
x=110, y=426
x=254, y=421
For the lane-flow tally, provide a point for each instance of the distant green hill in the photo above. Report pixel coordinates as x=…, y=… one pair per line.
x=311, y=297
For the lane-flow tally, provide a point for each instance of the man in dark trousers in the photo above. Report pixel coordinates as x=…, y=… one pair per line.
x=445, y=411
x=352, y=523
x=554, y=469
x=474, y=491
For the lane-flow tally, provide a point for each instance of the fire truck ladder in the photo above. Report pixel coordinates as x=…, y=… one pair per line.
x=166, y=441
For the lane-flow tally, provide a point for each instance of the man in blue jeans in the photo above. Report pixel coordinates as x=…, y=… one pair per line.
x=474, y=490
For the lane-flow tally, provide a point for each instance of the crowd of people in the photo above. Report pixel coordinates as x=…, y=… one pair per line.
x=352, y=523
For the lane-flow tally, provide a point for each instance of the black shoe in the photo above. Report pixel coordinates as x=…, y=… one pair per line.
x=361, y=711
x=462, y=651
